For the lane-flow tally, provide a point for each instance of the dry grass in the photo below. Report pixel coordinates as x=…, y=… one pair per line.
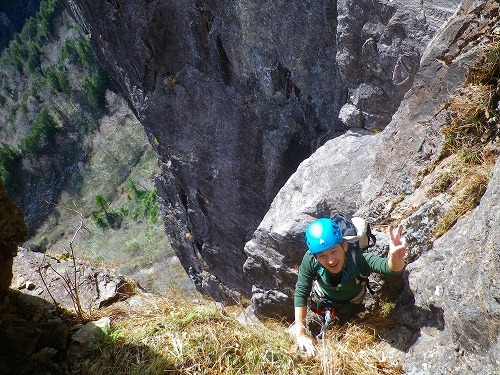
x=472, y=186
x=486, y=70
x=471, y=138
x=352, y=349
x=474, y=107
x=471, y=111
x=161, y=336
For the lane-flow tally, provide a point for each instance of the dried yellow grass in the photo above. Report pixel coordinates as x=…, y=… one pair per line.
x=352, y=349
x=470, y=108
x=471, y=138
x=486, y=69
x=469, y=190
x=179, y=336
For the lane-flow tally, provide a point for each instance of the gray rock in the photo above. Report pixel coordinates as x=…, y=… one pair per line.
x=248, y=317
x=419, y=227
x=458, y=277
x=329, y=181
x=351, y=116
x=21, y=338
x=413, y=139
x=13, y=231
x=235, y=95
x=53, y=277
x=379, y=49
x=44, y=355
x=90, y=332
x=449, y=308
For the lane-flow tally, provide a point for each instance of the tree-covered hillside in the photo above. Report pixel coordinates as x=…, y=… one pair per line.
x=13, y=15
x=67, y=141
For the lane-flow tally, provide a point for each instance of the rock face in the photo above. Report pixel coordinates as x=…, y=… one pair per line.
x=13, y=231
x=459, y=279
x=449, y=309
x=331, y=179
x=49, y=278
x=369, y=174
x=234, y=95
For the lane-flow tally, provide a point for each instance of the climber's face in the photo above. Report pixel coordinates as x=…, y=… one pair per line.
x=333, y=258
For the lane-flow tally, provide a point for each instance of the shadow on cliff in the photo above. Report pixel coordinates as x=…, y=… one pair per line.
x=402, y=327
x=36, y=339
x=34, y=336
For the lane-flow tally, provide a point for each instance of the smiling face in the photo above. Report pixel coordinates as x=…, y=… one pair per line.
x=333, y=258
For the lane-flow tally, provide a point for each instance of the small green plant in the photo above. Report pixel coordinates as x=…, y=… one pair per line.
x=68, y=51
x=147, y=203
x=16, y=55
x=103, y=217
x=386, y=308
x=144, y=207
x=34, y=53
x=8, y=89
x=45, y=18
x=64, y=84
x=52, y=79
x=99, y=218
x=101, y=203
x=13, y=112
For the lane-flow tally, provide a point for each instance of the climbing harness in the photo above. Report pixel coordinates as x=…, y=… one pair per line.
x=327, y=319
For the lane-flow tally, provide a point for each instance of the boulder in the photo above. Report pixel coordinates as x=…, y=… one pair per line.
x=329, y=181
x=51, y=278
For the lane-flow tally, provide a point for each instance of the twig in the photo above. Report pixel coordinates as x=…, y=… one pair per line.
x=39, y=270
x=70, y=285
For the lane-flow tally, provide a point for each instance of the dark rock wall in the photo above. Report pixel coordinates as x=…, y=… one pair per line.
x=234, y=95
x=13, y=231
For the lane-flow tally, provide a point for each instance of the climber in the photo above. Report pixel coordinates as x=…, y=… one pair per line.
x=334, y=273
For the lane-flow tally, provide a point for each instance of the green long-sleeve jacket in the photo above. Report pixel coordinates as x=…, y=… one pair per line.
x=310, y=269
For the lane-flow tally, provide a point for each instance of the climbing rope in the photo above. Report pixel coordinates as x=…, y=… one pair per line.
x=329, y=316
x=399, y=69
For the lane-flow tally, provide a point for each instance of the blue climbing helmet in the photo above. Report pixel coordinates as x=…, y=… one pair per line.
x=322, y=234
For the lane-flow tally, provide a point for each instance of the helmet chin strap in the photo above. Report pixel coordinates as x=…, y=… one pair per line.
x=342, y=245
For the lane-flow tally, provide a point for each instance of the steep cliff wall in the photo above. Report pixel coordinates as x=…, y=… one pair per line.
x=234, y=95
